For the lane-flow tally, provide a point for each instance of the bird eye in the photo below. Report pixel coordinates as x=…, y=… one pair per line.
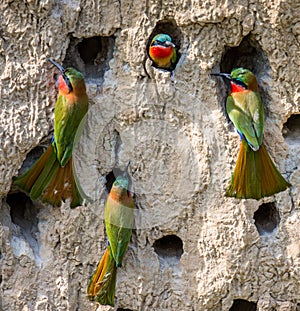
x=238, y=81
x=68, y=83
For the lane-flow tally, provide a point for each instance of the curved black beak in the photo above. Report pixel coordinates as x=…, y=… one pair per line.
x=57, y=65
x=63, y=72
x=223, y=75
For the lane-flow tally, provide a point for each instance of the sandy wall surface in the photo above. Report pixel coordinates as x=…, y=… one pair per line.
x=181, y=145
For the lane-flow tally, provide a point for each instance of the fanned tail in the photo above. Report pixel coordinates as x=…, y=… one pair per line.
x=62, y=187
x=47, y=180
x=102, y=284
x=255, y=175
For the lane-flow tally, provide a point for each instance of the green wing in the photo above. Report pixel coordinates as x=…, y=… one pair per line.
x=174, y=56
x=245, y=110
x=119, y=220
x=67, y=118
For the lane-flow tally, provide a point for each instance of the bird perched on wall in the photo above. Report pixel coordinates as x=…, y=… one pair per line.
x=163, y=53
x=52, y=178
x=119, y=220
x=255, y=175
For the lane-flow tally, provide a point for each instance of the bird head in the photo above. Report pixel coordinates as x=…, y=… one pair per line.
x=122, y=183
x=240, y=77
x=68, y=79
x=162, y=40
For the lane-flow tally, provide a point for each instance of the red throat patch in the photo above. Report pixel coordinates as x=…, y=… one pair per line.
x=236, y=88
x=62, y=86
x=160, y=51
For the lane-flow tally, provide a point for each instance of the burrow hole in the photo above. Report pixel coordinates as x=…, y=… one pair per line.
x=23, y=213
x=243, y=305
x=291, y=129
x=90, y=56
x=122, y=309
x=169, y=248
x=266, y=218
x=250, y=55
x=170, y=28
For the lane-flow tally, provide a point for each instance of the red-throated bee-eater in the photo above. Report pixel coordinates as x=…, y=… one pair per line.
x=119, y=220
x=255, y=175
x=163, y=53
x=52, y=177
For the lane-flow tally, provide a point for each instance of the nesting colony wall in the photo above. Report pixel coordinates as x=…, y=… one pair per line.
x=192, y=248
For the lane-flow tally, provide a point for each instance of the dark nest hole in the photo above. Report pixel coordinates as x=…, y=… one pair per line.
x=170, y=248
x=266, y=218
x=23, y=213
x=122, y=309
x=243, y=305
x=170, y=28
x=90, y=56
x=291, y=129
x=250, y=55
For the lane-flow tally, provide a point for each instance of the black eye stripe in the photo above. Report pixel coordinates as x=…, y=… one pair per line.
x=239, y=82
x=68, y=83
x=158, y=42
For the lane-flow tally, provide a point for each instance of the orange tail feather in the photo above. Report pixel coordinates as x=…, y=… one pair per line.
x=26, y=181
x=102, y=284
x=47, y=180
x=62, y=187
x=255, y=175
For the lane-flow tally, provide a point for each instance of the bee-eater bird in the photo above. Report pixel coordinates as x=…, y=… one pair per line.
x=255, y=175
x=52, y=178
x=163, y=53
x=119, y=220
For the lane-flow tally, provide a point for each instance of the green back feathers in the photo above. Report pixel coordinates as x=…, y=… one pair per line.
x=119, y=217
